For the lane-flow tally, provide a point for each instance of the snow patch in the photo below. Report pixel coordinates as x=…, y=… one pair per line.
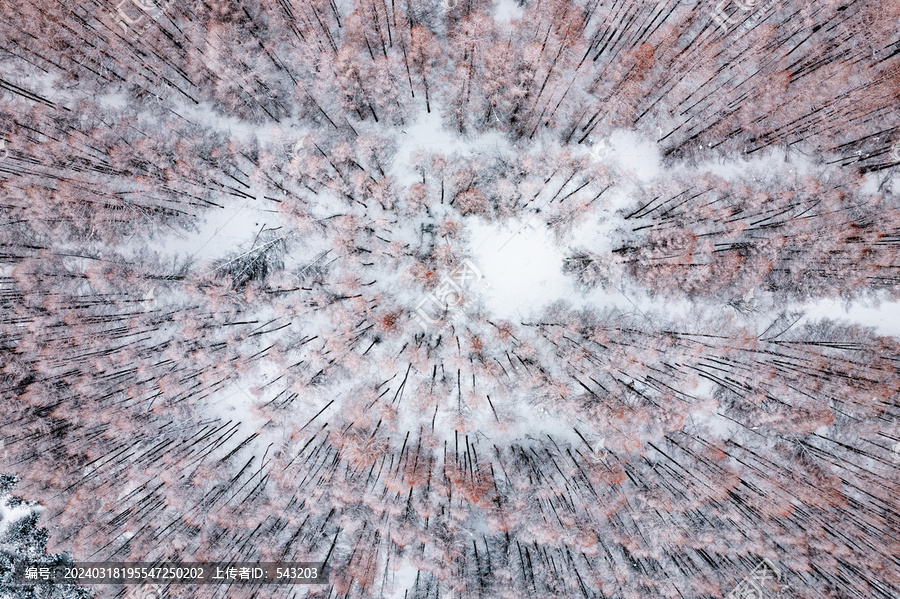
x=885, y=318
x=523, y=265
x=221, y=231
x=404, y=578
x=507, y=10
x=638, y=156
x=232, y=403
x=427, y=133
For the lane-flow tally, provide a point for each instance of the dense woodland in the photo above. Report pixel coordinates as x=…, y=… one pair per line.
x=799, y=237
x=584, y=453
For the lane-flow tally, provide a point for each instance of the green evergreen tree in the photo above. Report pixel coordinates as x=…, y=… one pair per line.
x=22, y=543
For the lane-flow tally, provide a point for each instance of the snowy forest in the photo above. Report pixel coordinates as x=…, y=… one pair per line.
x=468, y=299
